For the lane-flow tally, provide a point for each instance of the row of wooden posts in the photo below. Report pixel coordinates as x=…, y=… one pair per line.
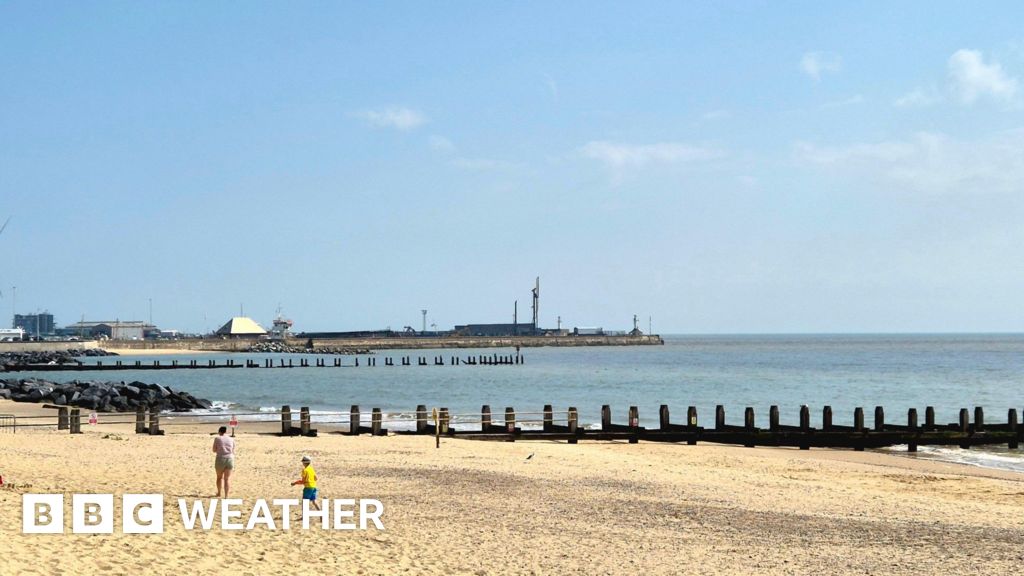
x=963, y=433
x=478, y=360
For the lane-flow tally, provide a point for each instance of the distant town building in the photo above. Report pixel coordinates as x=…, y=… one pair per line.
x=496, y=330
x=35, y=324
x=110, y=329
x=240, y=326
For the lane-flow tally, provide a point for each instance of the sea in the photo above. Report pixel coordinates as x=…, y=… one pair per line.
x=897, y=372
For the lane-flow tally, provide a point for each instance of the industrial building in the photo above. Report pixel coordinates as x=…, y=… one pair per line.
x=35, y=324
x=241, y=327
x=109, y=329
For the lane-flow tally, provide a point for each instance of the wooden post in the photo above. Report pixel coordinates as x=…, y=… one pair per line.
x=1011, y=420
x=304, y=420
x=912, y=428
x=664, y=423
x=62, y=418
x=719, y=417
x=691, y=423
x=421, y=419
x=606, y=418
x=446, y=420
x=140, y=420
x=826, y=419
x=286, y=419
x=485, y=417
x=574, y=422
x=634, y=423
x=929, y=418
x=773, y=419
x=805, y=427
x=858, y=427
x=879, y=419
x=965, y=426
x=748, y=424
x=375, y=422
x=510, y=423
x=75, y=421
x=979, y=419
x=353, y=420
x=154, y=422
x=548, y=418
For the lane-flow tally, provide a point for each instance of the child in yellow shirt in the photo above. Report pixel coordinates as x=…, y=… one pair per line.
x=308, y=481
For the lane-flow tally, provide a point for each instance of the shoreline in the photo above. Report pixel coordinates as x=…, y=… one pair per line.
x=524, y=507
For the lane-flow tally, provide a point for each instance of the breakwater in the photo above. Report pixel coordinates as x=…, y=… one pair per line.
x=101, y=396
x=393, y=343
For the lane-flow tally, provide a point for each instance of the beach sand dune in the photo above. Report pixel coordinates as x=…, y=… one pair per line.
x=475, y=507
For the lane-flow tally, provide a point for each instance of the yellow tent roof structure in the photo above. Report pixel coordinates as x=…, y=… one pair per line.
x=241, y=326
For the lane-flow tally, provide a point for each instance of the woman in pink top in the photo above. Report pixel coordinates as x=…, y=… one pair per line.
x=224, y=447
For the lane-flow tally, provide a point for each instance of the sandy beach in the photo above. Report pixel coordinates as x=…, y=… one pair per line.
x=475, y=507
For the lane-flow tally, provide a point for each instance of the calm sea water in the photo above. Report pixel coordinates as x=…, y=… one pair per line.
x=898, y=372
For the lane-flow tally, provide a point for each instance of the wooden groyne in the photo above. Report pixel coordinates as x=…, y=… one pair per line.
x=551, y=425
x=369, y=361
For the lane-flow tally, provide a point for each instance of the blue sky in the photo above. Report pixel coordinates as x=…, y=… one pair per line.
x=752, y=167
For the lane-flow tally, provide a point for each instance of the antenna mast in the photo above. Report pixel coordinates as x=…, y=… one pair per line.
x=536, y=302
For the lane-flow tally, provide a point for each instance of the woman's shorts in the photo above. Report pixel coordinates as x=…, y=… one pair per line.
x=224, y=463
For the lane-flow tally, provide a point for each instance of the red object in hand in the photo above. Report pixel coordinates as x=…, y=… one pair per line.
x=1, y=479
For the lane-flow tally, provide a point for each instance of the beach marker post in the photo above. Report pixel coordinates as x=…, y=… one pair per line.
x=445, y=420
x=858, y=427
x=421, y=419
x=979, y=419
x=664, y=424
x=75, y=422
x=437, y=430
x=606, y=418
x=773, y=419
x=510, y=423
x=485, y=417
x=353, y=420
x=1011, y=421
x=912, y=428
x=574, y=420
x=691, y=423
x=879, y=419
x=826, y=419
x=634, y=424
x=965, y=427
x=719, y=418
x=154, y=422
x=748, y=424
x=62, y=418
x=805, y=427
x=286, y=420
x=549, y=418
x=375, y=422
x=929, y=418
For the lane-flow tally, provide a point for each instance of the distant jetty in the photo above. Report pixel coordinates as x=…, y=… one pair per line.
x=334, y=345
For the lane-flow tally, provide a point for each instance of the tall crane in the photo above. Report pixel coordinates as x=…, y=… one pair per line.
x=536, y=304
x=2, y=228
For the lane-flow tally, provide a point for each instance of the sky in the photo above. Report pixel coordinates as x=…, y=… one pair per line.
x=749, y=167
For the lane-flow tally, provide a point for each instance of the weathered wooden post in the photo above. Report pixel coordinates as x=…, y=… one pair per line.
x=606, y=418
x=634, y=424
x=979, y=419
x=748, y=425
x=549, y=418
x=140, y=420
x=805, y=427
x=691, y=423
x=375, y=422
x=912, y=428
x=154, y=422
x=664, y=423
x=773, y=419
x=485, y=417
x=286, y=419
x=421, y=419
x=510, y=423
x=826, y=419
x=719, y=418
x=304, y=420
x=353, y=420
x=965, y=427
x=62, y=418
x=574, y=422
x=858, y=428
x=446, y=421
x=1011, y=420
x=879, y=419
x=75, y=421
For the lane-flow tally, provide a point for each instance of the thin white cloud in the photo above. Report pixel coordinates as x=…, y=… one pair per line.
x=397, y=118
x=441, y=144
x=917, y=98
x=617, y=155
x=928, y=162
x=814, y=64
x=851, y=101
x=972, y=78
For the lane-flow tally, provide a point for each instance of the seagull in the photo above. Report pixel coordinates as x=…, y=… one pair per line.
x=530, y=456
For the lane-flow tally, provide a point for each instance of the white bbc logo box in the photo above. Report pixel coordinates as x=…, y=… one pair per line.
x=92, y=513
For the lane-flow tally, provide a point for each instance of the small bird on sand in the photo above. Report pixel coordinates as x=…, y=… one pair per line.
x=530, y=456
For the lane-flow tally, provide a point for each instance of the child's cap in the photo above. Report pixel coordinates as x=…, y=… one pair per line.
x=306, y=459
